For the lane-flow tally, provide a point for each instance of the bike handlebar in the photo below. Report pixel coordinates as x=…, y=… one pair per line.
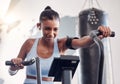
x=25, y=63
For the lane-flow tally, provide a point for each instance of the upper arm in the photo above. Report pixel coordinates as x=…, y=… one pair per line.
x=74, y=43
x=66, y=43
x=69, y=42
x=25, y=49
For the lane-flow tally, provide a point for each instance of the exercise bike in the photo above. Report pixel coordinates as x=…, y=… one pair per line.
x=68, y=64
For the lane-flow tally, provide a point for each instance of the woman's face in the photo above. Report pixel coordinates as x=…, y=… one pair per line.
x=50, y=29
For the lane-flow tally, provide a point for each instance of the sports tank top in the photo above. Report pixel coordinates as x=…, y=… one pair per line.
x=45, y=63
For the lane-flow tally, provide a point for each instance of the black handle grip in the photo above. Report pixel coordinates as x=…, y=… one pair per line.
x=9, y=63
x=100, y=33
x=25, y=63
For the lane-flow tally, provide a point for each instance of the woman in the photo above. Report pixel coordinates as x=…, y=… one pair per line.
x=49, y=46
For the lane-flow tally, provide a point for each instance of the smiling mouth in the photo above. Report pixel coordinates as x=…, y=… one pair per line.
x=50, y=38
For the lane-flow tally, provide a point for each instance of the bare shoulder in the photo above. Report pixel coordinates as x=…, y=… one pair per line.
x=29, y=41
x=61, y=44
x=62, y=40
x=26, y=48
x=28, y=44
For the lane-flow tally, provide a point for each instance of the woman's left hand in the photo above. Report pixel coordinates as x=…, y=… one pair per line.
x=106, y=32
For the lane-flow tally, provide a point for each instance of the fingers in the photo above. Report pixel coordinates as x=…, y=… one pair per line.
x=21, y=66
x=106, y=32
x=17, y=62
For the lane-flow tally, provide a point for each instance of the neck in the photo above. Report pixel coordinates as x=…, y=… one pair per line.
x=47, y=43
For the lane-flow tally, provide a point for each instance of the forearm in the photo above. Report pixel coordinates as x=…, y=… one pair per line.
x=86, y=41
x=83, y=42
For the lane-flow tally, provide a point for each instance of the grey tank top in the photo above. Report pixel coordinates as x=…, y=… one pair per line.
x=45, y=63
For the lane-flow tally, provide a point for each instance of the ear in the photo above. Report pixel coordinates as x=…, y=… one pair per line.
x=39, y=26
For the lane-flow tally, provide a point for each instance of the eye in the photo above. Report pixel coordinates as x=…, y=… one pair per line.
x=55, y=29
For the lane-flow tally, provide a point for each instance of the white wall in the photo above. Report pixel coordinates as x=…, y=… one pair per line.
x=27, y=11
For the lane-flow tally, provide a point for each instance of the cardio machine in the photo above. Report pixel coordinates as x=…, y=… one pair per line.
x=63, y=68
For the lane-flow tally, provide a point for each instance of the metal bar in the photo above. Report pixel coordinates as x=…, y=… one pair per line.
x=101, y=59
x=38, y=70
x=67, y=76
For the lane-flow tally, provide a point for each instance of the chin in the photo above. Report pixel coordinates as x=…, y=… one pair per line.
x=50, y=39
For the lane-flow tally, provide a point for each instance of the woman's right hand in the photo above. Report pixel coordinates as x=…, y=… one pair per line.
x=18, y=64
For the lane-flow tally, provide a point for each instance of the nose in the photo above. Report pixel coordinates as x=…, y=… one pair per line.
x=51, y=34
